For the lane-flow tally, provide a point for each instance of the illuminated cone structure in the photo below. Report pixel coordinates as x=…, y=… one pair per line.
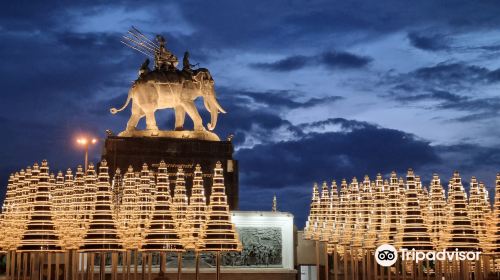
x=377, y=215
x=437, y=219
x=162, y=234
x=494, y=228
x=312, y=220
x=460, y=235
x=334, y=223
x=342, y=216
x=102, y=234
x=413, y=233
x=40, y=233
x=129, y=216
x=323, y=232
x=394, y=212
x=363, y=215
x=477, y=214
x=180, y=199
x=218, y=233
x=196, y=211
x=351, y=214
x=6, y=216
x=145, y=196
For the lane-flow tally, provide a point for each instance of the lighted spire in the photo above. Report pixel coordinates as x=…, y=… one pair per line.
x=196, y=211
x=145, y=196
x=459, y=233
x=7, y=210
x=219, y=233
x=180, y=199
x=476, y=213
x=331, y=211
x=378, y=213
x=129, y=216
x=162, y=233
x=335, y=225
x=394, y=212
x=322, y=233
x=40, y=234
x=437, y=212
x=413, y=232
x=351, y=214
x=102, y=234
x=342, y=216
x=363, y=213
x=494, y=229
x=311, y=223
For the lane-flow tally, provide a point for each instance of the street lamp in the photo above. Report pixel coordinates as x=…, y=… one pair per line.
x=85, y=142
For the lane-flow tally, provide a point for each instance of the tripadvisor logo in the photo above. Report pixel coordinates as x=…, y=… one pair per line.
x=387, y=255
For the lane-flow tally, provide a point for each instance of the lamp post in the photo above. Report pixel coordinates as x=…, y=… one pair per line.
x=85, y=142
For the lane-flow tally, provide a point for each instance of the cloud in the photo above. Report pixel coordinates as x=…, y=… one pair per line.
x=291, y=63
x=453, y=74
x=436, y=42
x=330, y=60
x=344, y=60
x=286, y=99
x=438, y=95
x=362, y=149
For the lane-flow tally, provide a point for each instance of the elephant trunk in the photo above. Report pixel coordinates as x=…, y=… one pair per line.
x=214, y=108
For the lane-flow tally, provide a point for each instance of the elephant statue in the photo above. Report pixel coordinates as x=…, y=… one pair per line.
x=171, y=89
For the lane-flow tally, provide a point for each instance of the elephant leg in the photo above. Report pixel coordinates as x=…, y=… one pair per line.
x=195, y=116
x=180, y=116
x=136, y=115
x=151, y=121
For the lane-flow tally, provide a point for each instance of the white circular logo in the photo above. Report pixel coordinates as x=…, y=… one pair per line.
x=386, y=255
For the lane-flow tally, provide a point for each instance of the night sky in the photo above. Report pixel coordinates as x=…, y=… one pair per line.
x=315, y=90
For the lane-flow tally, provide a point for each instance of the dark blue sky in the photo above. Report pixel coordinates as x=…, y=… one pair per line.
x=315, y=90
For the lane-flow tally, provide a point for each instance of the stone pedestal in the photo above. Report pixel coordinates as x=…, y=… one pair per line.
x=120, y=152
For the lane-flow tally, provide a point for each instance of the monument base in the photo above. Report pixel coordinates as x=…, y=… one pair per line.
x=180, y=134
x=122, y=152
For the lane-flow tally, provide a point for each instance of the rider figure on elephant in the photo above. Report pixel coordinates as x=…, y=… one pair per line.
x=164, y=59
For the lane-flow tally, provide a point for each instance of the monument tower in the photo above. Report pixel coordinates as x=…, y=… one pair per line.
x=166, y=86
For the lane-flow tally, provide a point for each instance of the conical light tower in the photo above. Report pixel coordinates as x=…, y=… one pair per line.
x=59, y=210
x=162, y=234
x=219, y=233
x=19, y=216
x=352, y=214
x=476, y=213
x=413, y=233
x=437, y=212
x=494, y=230
x=6, y=213
x=312, y=219
x=129, y=217
x=322, y=234
x=363, y=214
x=377, y=215
x=394, y=212
x=335, y=219
x=459, y=233
x=102, y=235
x=180, y=199
x=196, y=211
x=423, y=198
x=145, y=196
x=342, y=217
x=40, y=234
